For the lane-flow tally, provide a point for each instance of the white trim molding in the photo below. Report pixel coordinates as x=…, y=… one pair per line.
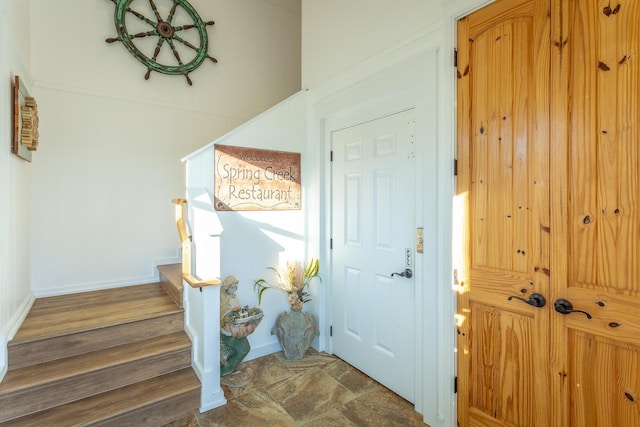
x=10, y=331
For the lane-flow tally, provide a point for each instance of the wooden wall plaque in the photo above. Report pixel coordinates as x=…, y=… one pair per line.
x=25, y=121
x=251, y=179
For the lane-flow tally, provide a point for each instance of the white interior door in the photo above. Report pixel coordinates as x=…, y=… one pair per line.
x=373, y=214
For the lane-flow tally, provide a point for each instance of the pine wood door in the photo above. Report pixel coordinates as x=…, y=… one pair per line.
x=548, y=150
x=596, y=213
x=503, y=146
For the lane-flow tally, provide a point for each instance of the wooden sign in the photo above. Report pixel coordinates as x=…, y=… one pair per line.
x=251, y=179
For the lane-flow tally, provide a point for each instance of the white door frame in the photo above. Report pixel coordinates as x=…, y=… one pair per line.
x=413, y=68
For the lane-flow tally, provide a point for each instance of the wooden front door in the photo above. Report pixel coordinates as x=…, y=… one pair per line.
x=503, y=89
x=548, y=150
x=596, y=222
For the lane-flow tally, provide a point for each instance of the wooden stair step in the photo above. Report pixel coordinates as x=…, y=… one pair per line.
x=171, y=281
x=39, y=387
x=69, y=314
x=153, y=402
x=28, y=353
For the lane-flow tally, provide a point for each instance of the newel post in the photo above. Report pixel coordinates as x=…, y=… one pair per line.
x=202, y=296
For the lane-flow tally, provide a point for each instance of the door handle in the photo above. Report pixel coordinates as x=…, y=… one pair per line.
x=535, y=299
x=406, y=273
x=564, y=306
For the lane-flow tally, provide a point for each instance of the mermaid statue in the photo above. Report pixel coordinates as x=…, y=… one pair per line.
x=236, y=324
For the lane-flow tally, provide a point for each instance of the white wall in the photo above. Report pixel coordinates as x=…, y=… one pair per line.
x=108, y=163
x=253, y=241
x=339, y=35
x=15, y=176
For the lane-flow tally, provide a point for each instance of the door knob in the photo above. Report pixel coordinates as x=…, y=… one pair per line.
x=535, y=299
x=564, y=306
x=406, y=273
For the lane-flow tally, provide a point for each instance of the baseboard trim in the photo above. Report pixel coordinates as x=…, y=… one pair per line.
x=16, y=320
x=97, y=286
x=4, y=365
x=263, y=350
x=10, y=331
x=108, y=284
x=212, y=401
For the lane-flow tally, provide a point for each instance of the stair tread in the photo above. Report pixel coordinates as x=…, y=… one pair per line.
x=67, y=314
x=40, y=351
x=115, y=402
x=22, y=379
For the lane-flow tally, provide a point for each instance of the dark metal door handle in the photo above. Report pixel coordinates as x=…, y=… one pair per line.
x=564, y=306
x=406, y=273
x=535, y=299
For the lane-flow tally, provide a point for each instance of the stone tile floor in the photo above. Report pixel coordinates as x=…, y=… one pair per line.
x=317, y=391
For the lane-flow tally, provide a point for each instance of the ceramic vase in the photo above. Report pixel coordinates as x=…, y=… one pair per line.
x=295, y=331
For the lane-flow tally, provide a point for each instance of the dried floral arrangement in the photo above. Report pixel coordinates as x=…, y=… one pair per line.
x=292, y=279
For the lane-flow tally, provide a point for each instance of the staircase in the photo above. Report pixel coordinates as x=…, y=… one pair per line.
x=112, y=357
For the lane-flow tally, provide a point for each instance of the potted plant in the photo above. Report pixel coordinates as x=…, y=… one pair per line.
x=295, y=329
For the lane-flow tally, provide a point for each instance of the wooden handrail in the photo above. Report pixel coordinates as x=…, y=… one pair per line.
x=185, y=243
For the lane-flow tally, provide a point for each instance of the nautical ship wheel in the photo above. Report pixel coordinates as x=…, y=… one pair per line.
x=155, y=34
